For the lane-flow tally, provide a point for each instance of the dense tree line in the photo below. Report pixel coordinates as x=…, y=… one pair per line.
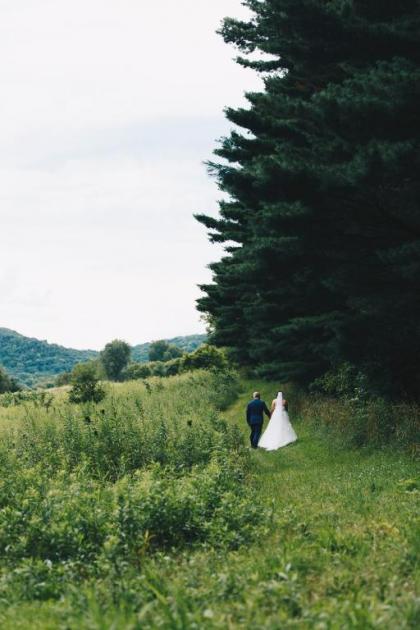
x=321, y=218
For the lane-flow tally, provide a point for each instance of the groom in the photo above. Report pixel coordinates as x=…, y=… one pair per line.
x=255, y=417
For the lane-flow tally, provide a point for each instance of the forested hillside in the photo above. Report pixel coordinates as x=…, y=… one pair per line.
x=31, y=361
x=322, y=213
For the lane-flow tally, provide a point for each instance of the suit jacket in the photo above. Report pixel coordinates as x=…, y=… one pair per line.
x=255, y=411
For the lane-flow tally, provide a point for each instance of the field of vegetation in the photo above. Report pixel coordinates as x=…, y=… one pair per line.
x=148, y=510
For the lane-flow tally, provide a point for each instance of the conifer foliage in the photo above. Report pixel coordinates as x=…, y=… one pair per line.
x=321, y=216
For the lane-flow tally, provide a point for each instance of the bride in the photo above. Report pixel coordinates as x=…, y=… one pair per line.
x=279, y=431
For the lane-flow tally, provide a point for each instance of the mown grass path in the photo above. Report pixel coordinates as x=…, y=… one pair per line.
x=345, y=535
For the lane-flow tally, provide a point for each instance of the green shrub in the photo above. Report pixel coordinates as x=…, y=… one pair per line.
x=205, y=357
x=72, y=517
x=344, y=382
x=85, y=384
x=136, y=371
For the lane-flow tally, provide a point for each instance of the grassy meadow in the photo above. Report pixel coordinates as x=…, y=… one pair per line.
x=148, y=510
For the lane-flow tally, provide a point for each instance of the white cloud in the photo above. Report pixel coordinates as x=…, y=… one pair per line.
x=108, y=109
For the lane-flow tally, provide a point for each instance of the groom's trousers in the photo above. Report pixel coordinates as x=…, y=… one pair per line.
x=256, y=430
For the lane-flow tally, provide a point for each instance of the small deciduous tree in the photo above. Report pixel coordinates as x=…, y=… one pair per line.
x=114, y=358
x=85, y=384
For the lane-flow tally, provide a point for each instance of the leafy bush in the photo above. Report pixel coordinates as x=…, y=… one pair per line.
x=60, y=518
x=85, y=384
x=205, y=357
x=345, y=382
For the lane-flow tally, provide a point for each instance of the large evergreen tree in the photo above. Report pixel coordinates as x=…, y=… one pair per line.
x=322, y=220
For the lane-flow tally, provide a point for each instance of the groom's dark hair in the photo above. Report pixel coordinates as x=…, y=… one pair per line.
x=256, y=395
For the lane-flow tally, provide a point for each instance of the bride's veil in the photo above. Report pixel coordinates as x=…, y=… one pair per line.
x=279, y=405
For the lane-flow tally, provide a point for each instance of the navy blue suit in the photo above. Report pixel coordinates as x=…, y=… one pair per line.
x=255, y=418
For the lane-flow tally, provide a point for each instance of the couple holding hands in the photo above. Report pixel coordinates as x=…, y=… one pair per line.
x=279, y=431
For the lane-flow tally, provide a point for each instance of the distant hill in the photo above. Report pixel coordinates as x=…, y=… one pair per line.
x=32, y=361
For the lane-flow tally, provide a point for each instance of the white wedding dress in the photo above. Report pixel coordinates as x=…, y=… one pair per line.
x=279, y=431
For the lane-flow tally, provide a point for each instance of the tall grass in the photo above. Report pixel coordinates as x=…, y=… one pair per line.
x=347, y=406
x=87, y=489
x=355, y=423
x=174, y=422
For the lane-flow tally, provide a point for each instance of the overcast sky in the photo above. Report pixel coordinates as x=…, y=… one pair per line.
x=108, y=110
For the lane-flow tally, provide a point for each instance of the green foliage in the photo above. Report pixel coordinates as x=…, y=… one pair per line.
x=204, y=358
x=135, y=371
x=85, y=384
x=346, y=382
x=321, y=213
x=189, y=343
x=163, y=351
x=74, y=518
x=114, y=358
x=346, y=404
x=7, y=384
x=37, y=363
x=154, y=471
x=364, y=421
x=124, y=435
x=30, y=360
x=314, y=537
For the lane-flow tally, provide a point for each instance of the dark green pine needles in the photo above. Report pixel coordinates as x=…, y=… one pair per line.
x=321, y=217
